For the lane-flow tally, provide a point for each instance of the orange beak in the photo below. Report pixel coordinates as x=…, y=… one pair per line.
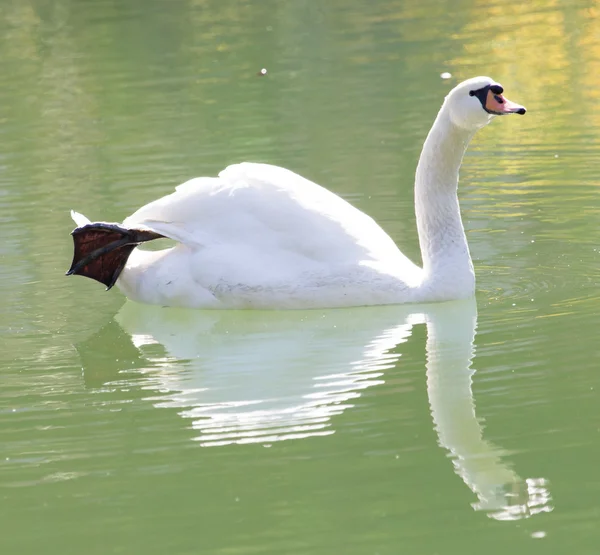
x=498, y=105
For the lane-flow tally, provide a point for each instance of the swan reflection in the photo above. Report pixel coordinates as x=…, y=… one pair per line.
x=261, y=377
x=450, y=350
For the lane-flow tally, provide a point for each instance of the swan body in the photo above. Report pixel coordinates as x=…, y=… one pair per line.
x=260, y=236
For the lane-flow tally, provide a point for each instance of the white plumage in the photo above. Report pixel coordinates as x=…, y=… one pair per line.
x=260, y=236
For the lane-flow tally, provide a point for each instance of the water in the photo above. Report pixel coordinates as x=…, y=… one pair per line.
x=452, y=428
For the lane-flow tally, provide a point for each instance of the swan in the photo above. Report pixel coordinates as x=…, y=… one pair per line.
x=260, y=236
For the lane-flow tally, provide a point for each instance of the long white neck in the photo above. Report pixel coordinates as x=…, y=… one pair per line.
x=442, y=237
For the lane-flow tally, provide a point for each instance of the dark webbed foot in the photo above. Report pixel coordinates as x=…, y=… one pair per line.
x=101, y=250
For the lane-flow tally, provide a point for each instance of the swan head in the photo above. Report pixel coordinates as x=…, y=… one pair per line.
x=475, y=102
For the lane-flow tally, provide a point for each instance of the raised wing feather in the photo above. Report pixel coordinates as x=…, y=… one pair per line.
x=267, y=208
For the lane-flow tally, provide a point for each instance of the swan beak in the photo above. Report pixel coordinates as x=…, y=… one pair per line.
x=500, y=106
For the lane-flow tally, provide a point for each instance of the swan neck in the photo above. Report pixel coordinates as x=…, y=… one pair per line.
x=442, y=238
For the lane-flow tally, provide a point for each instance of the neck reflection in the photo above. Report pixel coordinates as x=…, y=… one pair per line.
x=482, y=466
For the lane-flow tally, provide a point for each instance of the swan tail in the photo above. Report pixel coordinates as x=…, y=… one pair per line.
x=79, y=219
x=101, y=250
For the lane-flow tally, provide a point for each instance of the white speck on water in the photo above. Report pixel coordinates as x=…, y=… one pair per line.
x=446, y=75
x=538, y=535
x=556, y=156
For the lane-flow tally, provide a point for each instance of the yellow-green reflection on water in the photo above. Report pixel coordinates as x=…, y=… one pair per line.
x=133, y=429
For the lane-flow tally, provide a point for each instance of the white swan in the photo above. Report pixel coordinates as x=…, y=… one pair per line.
x=259, y=236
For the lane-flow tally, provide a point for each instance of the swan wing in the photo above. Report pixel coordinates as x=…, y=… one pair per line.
x=267, y=209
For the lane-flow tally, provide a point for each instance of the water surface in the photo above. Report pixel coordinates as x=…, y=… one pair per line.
x=452, y=428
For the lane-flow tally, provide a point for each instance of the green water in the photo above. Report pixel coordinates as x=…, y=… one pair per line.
x=458, y=428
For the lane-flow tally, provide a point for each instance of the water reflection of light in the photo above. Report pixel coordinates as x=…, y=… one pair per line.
x=534, y=499
x=264, y=377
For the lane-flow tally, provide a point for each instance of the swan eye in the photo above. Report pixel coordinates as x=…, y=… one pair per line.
x=472, y=93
